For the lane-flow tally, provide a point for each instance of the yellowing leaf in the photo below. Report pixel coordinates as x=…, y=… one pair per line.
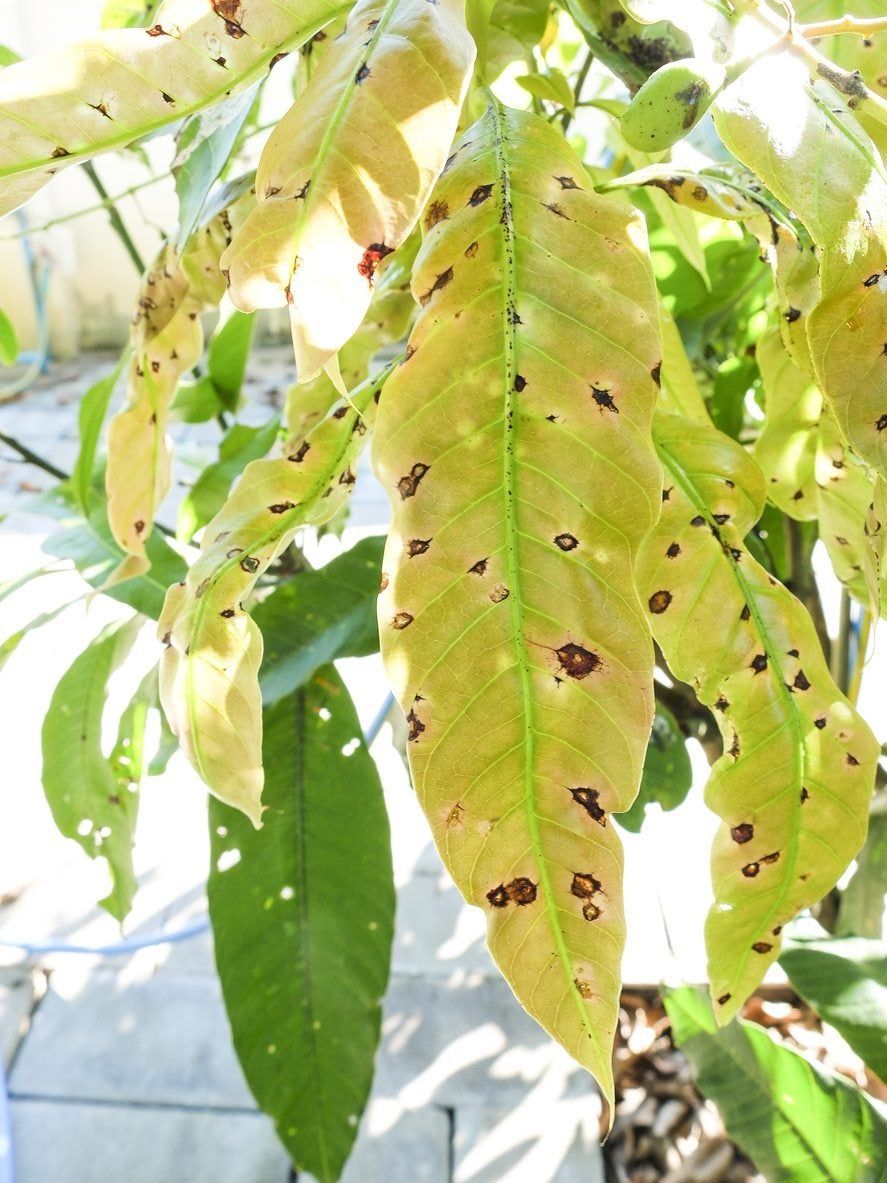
x=812, y=153
x=786, y=447
x=793, y=785
x=514, y=443
x=167, y=341
x=119, y=85
x=209, y=684
x=347, y=171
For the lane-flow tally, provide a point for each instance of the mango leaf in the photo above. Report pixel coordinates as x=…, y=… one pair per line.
x=203, y=149
x=303, y=976
x=845, y=981
x=240, y=445
x=552, y=86
x=798, y=1123
x=12, y=642
x=514, y=445
x=793, y=785
x=786, y=447
x=515, y=28
x=864, y=898
x=90, y=801
x=786, y=142
x=166, y=339
x=102, y=93
x=318, y=616
x=227, y=357
x=209, y=682
x=668, y=774
x=90, y=417
x=679, y=393
x=8, y=56
x=8, y=341
x=346, y=172
x=630, y=49
x=89, y=545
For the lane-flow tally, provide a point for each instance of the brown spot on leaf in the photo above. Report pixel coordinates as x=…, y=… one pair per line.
x=480, y=194
x=659, y=601
x=157, y=31
x=281, y=507
x=584, y=885
x=362, y=74
x=566, y=541
x=299, y=455
x=588, y=799
x=698, y=520
x=402, y=620
x=454, y=817
x=743, y=832
x=554, y=208
x=656, y=373
x=751, y=870
x=819, y=722
x=407, y=485
x=499, y=592
x=759, y=663
x=852, y=761
x=673, y=551
x=435, y=213
x=583, y=988
x=666, y=494
x=418, y=546
x=567, y=183
x=745, y=613
x=762, y=947
x=721, y=703
x=416, y=726
x=801, y=682
x=479, y=568
x=522, y=891
x=724, y=999
x=520, y=382
x=576, y=661
x=604, y=400
x=227, y=613
x=441, y=282
x=471, y=250
x=250, y=564
x=498, y=897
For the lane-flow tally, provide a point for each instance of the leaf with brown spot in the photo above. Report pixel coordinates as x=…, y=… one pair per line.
x=774, y=854
x=370, y=176
x=521, y=692
x=209, y=683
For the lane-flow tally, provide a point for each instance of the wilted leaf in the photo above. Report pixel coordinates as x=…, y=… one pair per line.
x=514, y=444
x=793, y=785
x=345, y=174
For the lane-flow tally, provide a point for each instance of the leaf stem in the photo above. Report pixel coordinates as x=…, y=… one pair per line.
x=577, y=89
x=114, y=217
x=31, y=457
x=862, y=26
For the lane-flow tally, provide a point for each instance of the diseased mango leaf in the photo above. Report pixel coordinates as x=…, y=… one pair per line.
x=679, y=393
x=90, y=417
x=166, y=339
x=786, y=447
x=70, y=104
x=668, y=774
x=793, y=785
x=845, y=981
x=630, y=49
x=346, y=172
x=209, y=683
x=787, y=143
x=319, y=616
x=302, y=972
x=797, y=1122
x=93, y=799
x=514, y=445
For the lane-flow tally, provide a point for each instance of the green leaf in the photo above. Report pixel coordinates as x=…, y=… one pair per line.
x=786, y=447
x=797, y=1123
x=8, y=56
x=863, y=899
x=100, y=94
x=203, y=149
x=12, y=642
x=127, y=14
x=845, y=981
x=91, y=548
x=240, y=445
x=302, y=914
x=318, y=616
x=8, y=341
x=91, y=801
x=90, y=417
x=514, y=443
x=227, y=357
x=553, y=87
x=668, y=774
x=196, y=402
x=630, y=49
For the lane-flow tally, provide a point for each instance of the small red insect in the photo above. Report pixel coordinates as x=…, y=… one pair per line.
x=372, y=257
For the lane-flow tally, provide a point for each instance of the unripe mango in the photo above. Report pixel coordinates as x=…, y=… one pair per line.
x=670, y=103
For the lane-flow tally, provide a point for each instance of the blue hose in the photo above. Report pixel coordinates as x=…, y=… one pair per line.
x=36, y=361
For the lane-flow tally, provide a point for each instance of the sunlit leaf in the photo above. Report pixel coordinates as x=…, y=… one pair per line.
x=8, y=341
x=786, y=447
x=514, y=445
x=793, y=785
x=346, y=172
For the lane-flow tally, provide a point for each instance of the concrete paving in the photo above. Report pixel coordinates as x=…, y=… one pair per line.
x=122, y=1069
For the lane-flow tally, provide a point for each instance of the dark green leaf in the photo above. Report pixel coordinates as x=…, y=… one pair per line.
x=197, y=402
x=302, y=912
x=668, y=774
x=318, y=616
x=92, y=801
x=797, y=1123
x=240, y=445
x=845, y=981
x=863, y=899
x=228, y=353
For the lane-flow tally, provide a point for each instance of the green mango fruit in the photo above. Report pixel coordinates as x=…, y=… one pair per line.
x=670, y=103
